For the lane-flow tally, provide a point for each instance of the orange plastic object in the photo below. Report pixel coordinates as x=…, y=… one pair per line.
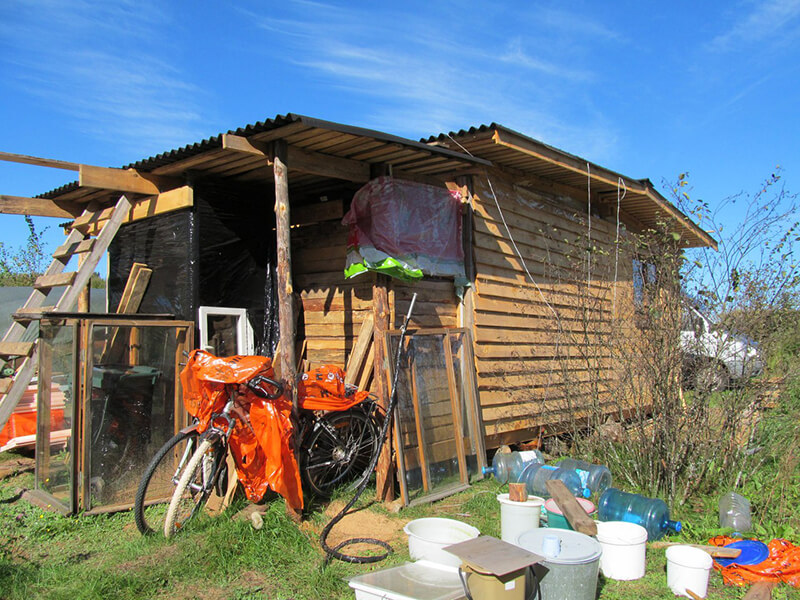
x=264, y=449
x=783, y=564
x=323, y=388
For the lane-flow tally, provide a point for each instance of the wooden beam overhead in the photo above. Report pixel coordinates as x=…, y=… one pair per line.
x=39, y=162
x=38, y=207
x=181, y=197
x=126, y=180
x=315, y=163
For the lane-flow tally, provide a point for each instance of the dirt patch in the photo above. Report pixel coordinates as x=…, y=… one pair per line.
x=156, y=557
x=361, y=523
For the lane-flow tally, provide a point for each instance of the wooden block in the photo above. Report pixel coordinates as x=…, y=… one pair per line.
x=573, y=512
x=517, y=492
x=760, y=591
x=51, y=281
x=5, y=384
x=15, y=348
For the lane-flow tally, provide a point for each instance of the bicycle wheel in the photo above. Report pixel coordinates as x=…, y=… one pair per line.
x=195, y=484
x=159, y=480
x=338, y=451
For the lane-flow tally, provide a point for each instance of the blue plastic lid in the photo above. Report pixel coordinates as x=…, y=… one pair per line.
x=587, y=493
x=753, y=552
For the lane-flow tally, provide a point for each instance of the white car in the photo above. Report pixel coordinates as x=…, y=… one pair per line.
x=713, y=358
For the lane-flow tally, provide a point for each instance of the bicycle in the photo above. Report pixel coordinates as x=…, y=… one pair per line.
x=337, y=429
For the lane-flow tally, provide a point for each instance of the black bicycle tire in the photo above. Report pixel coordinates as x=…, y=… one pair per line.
x=312, y=483
x=207, y=442
x=142, y=525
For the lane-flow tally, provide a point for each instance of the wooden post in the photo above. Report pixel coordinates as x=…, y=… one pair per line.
x=286, y=308
x=286, y=322
x=380, y=310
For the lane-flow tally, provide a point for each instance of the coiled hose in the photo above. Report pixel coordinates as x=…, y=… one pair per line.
x=323, y=538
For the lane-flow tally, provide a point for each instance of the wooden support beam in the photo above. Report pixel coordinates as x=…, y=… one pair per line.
x=38, y=207
x=126, y=180
x=182, y=197
x=316, y=163
x=286, y=309
x=39, y=162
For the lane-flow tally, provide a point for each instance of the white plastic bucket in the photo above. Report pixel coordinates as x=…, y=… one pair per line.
x=517, y=517
x=624, y=549
x=427, y=537
x=688, y=568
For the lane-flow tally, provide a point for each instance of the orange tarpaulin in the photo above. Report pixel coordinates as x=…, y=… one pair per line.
x=324, y=388
x=264, y=455
x=782, y=564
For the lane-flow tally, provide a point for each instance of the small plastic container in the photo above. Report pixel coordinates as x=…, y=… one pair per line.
x=427, y=537
x=624, y=550
x=557, y=520
x=688, y=569
x=518, y=517
x=421, y=580
x=734, y=512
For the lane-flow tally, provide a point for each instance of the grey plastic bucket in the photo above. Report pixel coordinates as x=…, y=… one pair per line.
x=569, y=572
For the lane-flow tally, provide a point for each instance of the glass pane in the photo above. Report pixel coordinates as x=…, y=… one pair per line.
x=469, y=429
x=222, y=334
x=130, y=413
x=423, y=383
x=54, y=411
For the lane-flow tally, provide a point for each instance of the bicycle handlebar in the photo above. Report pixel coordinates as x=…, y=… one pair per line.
x=255, y=385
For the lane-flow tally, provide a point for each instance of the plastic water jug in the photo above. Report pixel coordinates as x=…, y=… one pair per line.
x=536, y=475
x=650, y=513
x=595, y=477
x=508, y=466
x=734, y=512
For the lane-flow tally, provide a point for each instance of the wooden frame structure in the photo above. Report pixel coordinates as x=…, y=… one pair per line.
x=527, y=211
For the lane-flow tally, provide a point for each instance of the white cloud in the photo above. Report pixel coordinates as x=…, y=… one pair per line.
x=96, y=63
x=765, y=21
x=427, y=78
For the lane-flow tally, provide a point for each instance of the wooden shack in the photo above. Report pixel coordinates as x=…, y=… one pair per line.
x=204, y=218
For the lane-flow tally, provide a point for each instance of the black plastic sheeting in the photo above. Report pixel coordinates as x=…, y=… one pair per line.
x=222, y=252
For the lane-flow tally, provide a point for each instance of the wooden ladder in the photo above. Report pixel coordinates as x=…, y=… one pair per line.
x=12, y=388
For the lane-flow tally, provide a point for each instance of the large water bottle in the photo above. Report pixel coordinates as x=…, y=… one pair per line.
x=595, y=477
x=650, y=513
x=535, y=477
x=508, y=466
x=734, y=512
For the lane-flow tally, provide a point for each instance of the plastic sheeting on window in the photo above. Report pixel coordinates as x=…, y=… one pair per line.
x=406, y=230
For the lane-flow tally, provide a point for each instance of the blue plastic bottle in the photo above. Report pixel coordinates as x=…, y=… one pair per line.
x=536, y=476
x=595, y=477
x=650, y=513
x=508, y=466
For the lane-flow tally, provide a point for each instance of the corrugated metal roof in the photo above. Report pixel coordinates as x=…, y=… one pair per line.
x=305, y=132
x=510, y=149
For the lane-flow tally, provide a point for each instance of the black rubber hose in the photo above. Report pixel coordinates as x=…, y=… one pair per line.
x=323, y=538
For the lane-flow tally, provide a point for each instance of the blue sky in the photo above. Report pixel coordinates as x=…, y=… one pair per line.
x=646, y=89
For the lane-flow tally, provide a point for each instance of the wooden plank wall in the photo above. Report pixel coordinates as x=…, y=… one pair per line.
x=542, y=350
x=334, y=308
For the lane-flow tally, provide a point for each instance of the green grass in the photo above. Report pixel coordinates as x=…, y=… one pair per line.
x=45, y=555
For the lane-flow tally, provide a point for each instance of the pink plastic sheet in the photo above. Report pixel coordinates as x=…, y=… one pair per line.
x=417, y=225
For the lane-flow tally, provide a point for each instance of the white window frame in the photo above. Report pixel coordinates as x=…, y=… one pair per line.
x=245, y=343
